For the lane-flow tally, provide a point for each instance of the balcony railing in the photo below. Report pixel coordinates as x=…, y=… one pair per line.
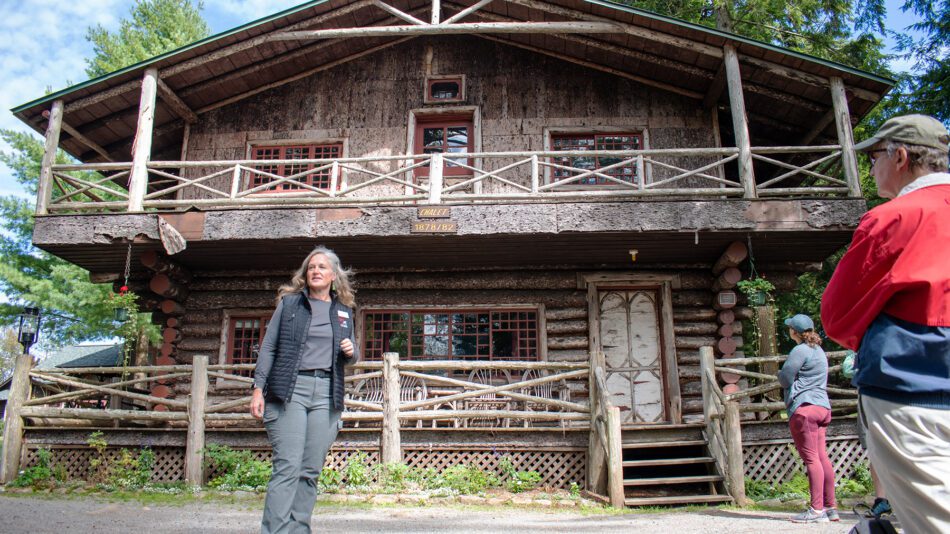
x=489, y=176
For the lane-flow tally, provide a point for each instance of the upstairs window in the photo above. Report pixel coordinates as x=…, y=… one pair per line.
x=592, y=142
x=445, y=89
x=448, y=135
x=447, y=334
x=320, y=179
x=244, y=333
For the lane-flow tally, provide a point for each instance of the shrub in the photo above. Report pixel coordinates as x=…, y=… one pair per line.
x=393, y=476
x=98, y=465
x=356, y=472
x=759, y=490
x=132, y=471
x=240, y=469
x=519, y=481
x=41, y=475
x=330, y=479
x=466, y=479
x=797, y=487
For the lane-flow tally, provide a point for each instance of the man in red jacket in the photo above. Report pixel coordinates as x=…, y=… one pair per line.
x=889, y=299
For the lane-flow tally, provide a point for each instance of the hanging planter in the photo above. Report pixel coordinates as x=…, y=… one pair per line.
x=758, y=290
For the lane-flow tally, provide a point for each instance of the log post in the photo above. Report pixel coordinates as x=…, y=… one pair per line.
x=13, y=421
x=435, y=178
x=615, y=458
x=735, y=472
x=739, y=123
x=596, y=457
x=44, y=189
x=735, y=253
x=142, y=145
x=849, y=160
x=194, y=448
x=391, y=448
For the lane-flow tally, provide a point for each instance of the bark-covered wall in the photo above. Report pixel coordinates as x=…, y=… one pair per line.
x=565, y=318
x=519, y=96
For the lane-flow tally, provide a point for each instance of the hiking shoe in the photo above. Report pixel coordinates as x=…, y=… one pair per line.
x=832, y=514
x=811, y=516
x=880, y=507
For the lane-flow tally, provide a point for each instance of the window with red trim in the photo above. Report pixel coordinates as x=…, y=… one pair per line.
x=447, y=334
x=319, y=178
x=447, y=135
x=581, y=164
x=244, y=333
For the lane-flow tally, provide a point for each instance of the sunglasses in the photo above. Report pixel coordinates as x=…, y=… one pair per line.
x=872, y=158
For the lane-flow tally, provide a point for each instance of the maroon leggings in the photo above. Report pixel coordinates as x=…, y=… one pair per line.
x=808, y=426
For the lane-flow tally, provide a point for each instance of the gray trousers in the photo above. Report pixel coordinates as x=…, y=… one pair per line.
x=300, y=432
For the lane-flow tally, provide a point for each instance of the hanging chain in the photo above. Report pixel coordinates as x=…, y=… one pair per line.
x=128, y=268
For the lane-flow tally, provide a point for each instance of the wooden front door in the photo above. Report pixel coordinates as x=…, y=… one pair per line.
x=631, y=339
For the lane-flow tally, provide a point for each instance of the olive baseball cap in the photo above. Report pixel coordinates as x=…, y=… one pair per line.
x=911, y=130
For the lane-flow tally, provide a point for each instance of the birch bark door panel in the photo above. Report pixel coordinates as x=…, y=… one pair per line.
x=630, y=339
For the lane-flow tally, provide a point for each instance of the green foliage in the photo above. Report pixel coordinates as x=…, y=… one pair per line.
x=132, y=471
x=756, y=285
x=575, y=490
x=356, y=471
x=98, y=464
x=153, y=28
x=927, y=91
x=393, y=477
x=330, y=479
x=466, y=479
x=41, y=475
x=241, y=470
x=796, y=487
x=10, y=348
x=759, y=490
x=519, y=481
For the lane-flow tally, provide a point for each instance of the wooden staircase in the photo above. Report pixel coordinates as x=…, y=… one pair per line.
x=669, y=465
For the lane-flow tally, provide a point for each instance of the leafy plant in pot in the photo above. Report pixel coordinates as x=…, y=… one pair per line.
x=757, y=290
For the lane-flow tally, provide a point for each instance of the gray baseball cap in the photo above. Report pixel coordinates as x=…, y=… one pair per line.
x=920, y=130
x=800, y=323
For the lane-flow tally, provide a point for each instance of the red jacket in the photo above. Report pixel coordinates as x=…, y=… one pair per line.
x=898, y=264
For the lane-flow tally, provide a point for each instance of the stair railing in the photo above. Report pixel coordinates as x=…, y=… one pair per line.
x=606, y=446
x=723, y=430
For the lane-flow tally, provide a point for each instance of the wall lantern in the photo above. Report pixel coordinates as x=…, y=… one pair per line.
x=29, y=328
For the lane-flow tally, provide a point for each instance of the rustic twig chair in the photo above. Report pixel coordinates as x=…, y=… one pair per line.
x=488, y=402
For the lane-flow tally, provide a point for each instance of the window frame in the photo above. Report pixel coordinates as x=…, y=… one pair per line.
x=418, y=117
x=550, y=133
x=432, y=80
x=282, y=144
x=540, y=322
x=229, y=316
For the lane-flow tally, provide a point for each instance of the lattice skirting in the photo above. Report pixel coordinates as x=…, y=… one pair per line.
x=777, y=461
x=558, y=468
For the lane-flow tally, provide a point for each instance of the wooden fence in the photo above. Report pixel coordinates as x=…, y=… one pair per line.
x=722, y=412
x=499, y=176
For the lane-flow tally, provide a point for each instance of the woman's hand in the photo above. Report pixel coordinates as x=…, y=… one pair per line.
x=347, y=346
x=257, y=403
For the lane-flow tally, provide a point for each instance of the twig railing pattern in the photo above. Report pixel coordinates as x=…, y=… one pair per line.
x=533, y=176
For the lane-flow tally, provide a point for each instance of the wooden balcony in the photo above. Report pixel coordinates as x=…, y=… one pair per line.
x=486, y=177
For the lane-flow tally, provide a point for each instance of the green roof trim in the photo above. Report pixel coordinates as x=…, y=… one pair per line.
x=53, y=96
x=605, y=3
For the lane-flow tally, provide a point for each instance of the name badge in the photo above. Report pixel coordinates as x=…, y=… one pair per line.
x=343, y=314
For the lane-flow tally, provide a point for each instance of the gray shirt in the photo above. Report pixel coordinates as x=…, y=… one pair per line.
x=805, y=378
x=317, y=352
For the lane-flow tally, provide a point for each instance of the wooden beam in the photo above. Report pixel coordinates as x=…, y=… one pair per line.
x=397, y=13
x=819, y=127
x=804, y=77
x=466, y=12
x=454, y=29
x=195, y=444
x=436, y=12
x=739, y=121
x=74, y=133
x=177, y=104
x=44, y=189
x=845, y=136
x=13, y=429
x=711, y=99
x=142, y=145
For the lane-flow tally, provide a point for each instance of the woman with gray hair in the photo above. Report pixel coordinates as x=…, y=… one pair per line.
x=298, y=384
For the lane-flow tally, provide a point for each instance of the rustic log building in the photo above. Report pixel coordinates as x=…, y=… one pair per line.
x=570, y=182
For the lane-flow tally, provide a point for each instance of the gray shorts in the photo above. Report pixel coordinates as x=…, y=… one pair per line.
x=862, y=428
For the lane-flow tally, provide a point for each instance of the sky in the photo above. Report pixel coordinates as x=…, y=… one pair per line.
x=44, y=46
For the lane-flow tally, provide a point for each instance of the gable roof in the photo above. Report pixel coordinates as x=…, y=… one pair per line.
x=784, y=90
x=73, y=356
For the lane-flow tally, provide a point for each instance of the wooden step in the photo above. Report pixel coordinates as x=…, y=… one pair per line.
x=671, y=480
x=662, y=444
x=674, y=500
x=668, y=461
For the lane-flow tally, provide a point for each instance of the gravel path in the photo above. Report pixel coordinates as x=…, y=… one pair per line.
x=57, y=515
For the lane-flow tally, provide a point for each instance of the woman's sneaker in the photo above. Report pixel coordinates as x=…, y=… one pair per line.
x=832, y=514
x=811, y=516
x=880, y=507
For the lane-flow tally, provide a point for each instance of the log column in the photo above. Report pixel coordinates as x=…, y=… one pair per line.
x=13, y=423
x=44, y=189
x=142, y=146
x=849, y=160
x=728, y=276
x=194, y=447
x=739, y=121
x=390, y=441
